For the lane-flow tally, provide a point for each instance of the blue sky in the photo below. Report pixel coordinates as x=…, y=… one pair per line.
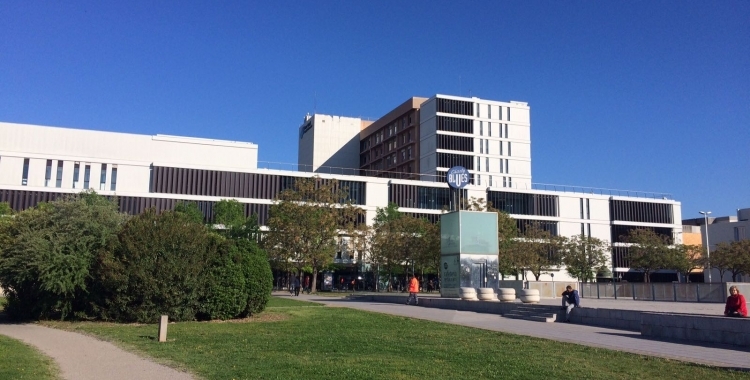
x=642, y=95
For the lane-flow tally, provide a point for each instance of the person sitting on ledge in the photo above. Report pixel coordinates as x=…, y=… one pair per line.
x=570, y=299
x=736, y=304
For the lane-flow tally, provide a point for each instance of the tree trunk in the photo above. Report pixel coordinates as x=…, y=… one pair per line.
x=314, y=288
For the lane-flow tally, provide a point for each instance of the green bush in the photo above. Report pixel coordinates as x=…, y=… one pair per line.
x=48, y=255
x=226, y=288
x=158, y=268
x=259, y=276
x=238, y=283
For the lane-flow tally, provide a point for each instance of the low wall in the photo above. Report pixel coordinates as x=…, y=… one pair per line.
x=611, y=318
x=697, y=328
x=488, y=307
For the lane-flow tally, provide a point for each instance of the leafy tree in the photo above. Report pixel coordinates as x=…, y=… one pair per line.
x=538, y=250
x=584, y=255
x=733, y=257
x=5, y=209
x=49, y=256
x=229, y=213
x=684, y=258
x=648, y=251
x=306, y=223
x=191, y=210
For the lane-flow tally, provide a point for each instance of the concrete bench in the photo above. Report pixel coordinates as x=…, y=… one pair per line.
x=697, y=328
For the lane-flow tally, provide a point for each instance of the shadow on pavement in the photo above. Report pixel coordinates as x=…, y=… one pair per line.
x=681, y=341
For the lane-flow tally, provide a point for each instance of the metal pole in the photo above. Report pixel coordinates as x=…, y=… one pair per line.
x=708, y=246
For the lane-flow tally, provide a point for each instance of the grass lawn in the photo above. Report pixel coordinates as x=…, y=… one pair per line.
x=19, y=361
x=293, y=340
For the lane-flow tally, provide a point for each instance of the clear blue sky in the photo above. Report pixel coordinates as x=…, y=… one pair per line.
x=644, y=95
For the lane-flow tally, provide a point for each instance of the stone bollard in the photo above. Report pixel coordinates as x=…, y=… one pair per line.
x=163, y=328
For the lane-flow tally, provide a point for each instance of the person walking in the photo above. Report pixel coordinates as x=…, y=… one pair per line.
x=570, y=299
x=307, y=285
x=736, y=305
x=296, y=286
x=413, y=290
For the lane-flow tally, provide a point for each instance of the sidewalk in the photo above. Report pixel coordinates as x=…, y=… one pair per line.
x=721, y=356
x=81, y=357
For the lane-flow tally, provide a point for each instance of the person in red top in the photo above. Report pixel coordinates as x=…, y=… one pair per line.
x=413, y=290
x=736, y=304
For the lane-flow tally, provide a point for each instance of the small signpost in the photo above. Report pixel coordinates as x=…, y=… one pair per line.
x=163, y=328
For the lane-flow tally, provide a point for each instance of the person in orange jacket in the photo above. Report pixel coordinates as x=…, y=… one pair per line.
x=413, y=290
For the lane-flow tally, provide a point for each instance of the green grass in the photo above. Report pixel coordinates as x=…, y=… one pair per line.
x=292, y=340
x=19, y=361
x=275, y=302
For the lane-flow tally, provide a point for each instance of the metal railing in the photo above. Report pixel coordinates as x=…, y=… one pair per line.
x=285, y=166
x=675, y=292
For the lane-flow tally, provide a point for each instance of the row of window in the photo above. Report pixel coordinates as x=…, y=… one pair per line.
x=457, y=107
x=489, y=129
x=644, y=212
x=523, y=203
x=484, y=147
x=454, y=124
x=233, y=184
x=58, y=170
x=449, y=160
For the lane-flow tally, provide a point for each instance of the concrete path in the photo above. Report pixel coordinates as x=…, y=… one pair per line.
x=721, y=356
x=81, y=357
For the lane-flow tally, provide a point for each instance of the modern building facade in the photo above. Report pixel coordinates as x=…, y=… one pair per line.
x=424, y=137
x=39, y=164
x=492, y=139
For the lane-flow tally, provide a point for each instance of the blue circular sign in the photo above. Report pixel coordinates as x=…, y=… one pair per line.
x=457, y=177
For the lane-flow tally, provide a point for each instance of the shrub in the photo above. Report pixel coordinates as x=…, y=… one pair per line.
x=48, y=254
x=226, y=288
x=158, y=268
x=259, y=276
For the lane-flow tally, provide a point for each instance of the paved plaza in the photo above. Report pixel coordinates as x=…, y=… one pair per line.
x=716, y=355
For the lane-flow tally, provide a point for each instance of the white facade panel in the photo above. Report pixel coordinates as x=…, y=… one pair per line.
x=11, y=170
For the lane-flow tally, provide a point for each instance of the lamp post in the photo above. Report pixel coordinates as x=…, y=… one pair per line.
x=708, y=248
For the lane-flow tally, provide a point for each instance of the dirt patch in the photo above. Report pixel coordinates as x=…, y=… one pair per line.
x=262, y=317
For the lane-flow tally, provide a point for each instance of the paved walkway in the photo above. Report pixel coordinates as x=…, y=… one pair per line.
x=81, y=357
x=722, y=356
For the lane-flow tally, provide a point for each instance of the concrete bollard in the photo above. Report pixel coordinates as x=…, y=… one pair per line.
x=163, y=328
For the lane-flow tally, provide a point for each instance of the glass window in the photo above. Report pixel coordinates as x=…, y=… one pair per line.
x=481, y=129
x=103, y=178
x=489, y=129
x=509, y=149
x=58, y=178
x=48, y=173
x=25, y=174
x=487, y=164
x=76, y=172
x=86, y=176
x=506, y=131
x=489, y=111
x=481, y=146
x=487, y=146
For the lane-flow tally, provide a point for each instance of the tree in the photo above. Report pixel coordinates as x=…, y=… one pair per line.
x=50, y=254
x=584, y=255
x=191, y=210
x=5, y=209
x=538, y=250
x=648, y=251
x=733, y=257
x=306, y=223
x=229, y=213
x=684, y=259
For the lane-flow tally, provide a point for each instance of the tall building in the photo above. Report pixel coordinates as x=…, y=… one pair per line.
x=389, y=147
x=329, y=144
x=492, y=139
x=424, y=137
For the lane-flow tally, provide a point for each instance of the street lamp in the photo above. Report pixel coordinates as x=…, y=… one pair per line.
x=708, y=248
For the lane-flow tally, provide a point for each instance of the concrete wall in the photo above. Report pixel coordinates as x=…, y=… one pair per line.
x=696, y=328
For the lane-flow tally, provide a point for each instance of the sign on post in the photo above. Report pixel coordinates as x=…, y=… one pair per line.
x=457, y=177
